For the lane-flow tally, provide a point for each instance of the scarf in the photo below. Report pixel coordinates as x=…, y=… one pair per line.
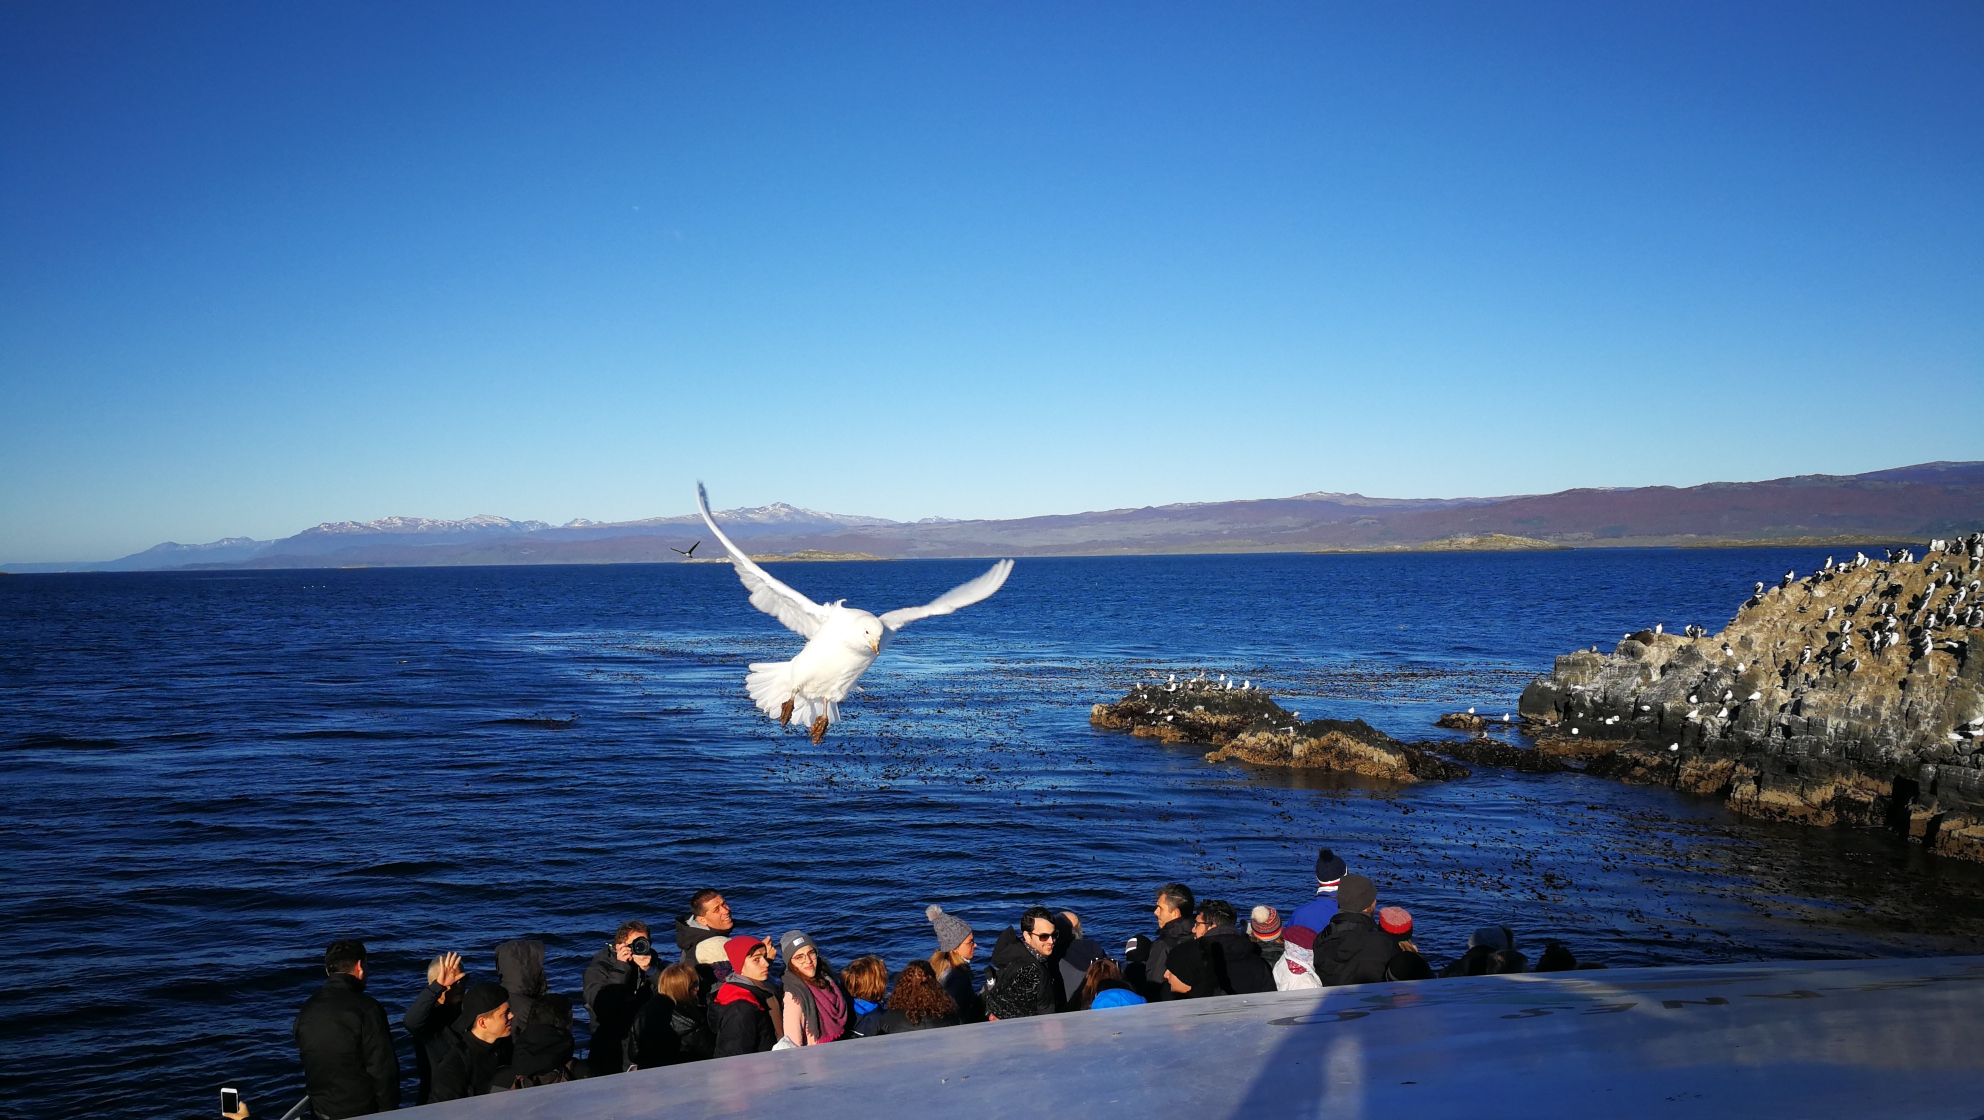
x=823, y=1008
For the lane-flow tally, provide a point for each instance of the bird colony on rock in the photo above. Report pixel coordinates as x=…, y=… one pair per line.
x=1852, y=696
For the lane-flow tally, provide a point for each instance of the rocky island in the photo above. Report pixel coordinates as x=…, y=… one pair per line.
x=1244, y=724
x=1851, y=696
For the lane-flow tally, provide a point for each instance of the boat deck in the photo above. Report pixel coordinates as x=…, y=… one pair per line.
x=1806, y=1040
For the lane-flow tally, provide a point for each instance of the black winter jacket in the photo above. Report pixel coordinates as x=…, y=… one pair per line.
x=1353, y=950
x=540, y=1054
x=615, y=990
x=895, y=1022
x=962, y=985
x=1177, y=932
x=613, y=986
x=1238, y=968
x=741, y=1017
x=1021, y=984
x=666, y=1032
x=349, y=1066
x=467, y=1066
x=425, y=1020
x=690, y=1024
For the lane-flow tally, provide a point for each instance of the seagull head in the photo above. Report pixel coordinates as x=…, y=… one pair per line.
x=866, y=634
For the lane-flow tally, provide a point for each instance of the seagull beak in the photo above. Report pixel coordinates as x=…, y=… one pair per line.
x=876, y=645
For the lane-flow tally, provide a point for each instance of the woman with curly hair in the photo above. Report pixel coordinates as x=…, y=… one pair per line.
x=918, y=1002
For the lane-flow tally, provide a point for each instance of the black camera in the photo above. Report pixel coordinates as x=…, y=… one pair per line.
x=640, y=946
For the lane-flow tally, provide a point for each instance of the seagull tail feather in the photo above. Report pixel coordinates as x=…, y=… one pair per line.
x=770, y=685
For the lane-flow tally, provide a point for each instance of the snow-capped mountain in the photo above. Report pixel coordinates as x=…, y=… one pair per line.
x=778, y=515
x=424, y=526
x=369, y=542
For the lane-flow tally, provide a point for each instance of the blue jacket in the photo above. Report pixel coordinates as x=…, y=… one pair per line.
x=1315, y=914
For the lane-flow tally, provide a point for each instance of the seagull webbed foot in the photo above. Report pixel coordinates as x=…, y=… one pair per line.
x=819, y=730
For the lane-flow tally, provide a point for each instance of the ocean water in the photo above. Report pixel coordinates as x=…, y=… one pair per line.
x=211, y=775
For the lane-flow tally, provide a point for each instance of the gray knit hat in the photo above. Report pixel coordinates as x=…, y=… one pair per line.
x=792, y=942
x=951, y=932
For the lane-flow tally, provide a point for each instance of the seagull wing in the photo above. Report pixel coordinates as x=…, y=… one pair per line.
x=963, y=595
x=799, y=614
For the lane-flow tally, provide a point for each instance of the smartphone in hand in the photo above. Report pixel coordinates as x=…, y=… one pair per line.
x=230, y=1101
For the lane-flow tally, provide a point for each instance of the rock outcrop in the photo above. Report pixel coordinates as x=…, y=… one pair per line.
x=1248, y=726
x=1854, y=696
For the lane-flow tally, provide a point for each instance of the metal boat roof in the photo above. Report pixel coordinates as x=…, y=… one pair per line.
x=1805, y=1040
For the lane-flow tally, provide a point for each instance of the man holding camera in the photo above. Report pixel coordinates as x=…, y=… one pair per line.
x=618, y=980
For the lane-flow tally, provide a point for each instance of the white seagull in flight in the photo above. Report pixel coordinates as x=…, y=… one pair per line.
x=841, y=642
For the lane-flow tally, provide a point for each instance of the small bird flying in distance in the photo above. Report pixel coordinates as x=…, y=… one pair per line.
x=691, y=553
x=841, y=641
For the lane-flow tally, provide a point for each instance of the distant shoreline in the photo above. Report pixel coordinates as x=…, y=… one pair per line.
x=1907, y=505
x=1461, y=545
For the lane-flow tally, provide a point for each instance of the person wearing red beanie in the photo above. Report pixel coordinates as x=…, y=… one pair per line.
x=741, y=1014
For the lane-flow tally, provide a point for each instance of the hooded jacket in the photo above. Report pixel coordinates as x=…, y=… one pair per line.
x=1176, y=932
x=1238, y=968
x=1353, y=950
x=1021, y=983
x=349, y=1066
x=520, y=969
x=741, y=1016
x=687, y=936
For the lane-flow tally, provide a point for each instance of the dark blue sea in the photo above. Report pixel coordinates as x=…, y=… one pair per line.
x=210, y=775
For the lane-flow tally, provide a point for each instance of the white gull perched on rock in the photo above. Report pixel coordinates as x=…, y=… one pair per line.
x=841, y=641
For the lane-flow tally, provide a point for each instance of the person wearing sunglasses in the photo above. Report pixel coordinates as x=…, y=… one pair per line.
x=1025, y=979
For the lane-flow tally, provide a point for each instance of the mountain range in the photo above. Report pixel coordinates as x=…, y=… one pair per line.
x=1905, y=504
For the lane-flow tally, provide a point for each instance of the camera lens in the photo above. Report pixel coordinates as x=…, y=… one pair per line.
x=641, y=947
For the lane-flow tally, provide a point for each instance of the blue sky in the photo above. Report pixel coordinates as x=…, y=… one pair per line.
x=266, y=265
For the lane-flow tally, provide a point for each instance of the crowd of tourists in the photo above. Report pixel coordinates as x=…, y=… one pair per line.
x=719, y=998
